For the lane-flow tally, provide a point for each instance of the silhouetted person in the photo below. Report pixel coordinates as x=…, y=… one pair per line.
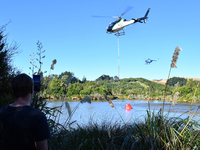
x=23, y=127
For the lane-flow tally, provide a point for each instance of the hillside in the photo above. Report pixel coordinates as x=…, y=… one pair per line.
x=165, y=80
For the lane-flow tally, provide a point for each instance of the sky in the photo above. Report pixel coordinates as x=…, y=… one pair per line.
x=80, y=44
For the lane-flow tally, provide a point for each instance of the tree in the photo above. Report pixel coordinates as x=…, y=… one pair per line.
x=104, y=77
x=174, y=80
x=152, y=88
x=85, y=92
x=72, y=90
x=123, y=91
x=7, y=71
x=84, y=79
x=191, y=85
x=116, y=78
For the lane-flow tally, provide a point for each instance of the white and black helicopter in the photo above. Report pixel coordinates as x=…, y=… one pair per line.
x=118, y=25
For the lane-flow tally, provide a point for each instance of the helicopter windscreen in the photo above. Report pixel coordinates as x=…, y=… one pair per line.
x=110, y=26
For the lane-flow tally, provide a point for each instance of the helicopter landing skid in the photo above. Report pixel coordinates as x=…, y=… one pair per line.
x=120, y=33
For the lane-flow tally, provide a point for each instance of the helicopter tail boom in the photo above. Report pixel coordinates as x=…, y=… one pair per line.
x=147, y=13
x=143, y=18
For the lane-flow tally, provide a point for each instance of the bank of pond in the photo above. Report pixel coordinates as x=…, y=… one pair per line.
x=96, y=125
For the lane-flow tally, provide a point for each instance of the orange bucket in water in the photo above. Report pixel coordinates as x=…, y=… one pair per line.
x=128, y=107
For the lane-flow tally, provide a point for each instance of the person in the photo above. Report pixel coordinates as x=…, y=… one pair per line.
x=23, y=127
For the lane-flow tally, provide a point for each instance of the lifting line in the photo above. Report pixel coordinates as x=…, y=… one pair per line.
x=119, y=34
x=118, y=65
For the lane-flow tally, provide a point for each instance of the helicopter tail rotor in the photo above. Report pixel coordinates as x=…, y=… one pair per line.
x=147, y=13
x=145, y=20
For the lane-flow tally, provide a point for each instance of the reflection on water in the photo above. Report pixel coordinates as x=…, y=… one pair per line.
x=102, y=112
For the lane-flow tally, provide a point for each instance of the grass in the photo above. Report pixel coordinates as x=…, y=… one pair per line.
x=155, y=132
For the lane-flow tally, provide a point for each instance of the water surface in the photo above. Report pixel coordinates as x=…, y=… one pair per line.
x=102, y=112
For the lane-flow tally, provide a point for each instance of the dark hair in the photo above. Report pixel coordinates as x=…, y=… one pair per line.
x=21, y=85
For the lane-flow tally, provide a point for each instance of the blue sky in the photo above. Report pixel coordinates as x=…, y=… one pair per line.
x=79, y=42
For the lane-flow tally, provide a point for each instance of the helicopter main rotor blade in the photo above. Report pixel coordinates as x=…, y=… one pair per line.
x=104, y=16
x=127, y=9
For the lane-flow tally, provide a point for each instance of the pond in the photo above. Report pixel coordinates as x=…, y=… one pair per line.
x=100, y=112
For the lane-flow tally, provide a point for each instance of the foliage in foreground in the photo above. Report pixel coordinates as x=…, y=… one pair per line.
x=7, y=70
x=155, y=132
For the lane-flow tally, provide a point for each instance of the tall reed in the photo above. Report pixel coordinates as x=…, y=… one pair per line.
x=193, y=98
x=113, y=106
x=86, y=99
x=173, y=65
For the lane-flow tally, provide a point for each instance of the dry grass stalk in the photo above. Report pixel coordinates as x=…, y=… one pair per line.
x=175, y=97
x=101, y=98
x=69, y=80
x=53, y=63
x=68, y=108
x=193, y=98
x=113, y=106
x=173, y=65
x=86, y=99
x=109, y=101
x=98, y=96
x=175, y=57
x=188, y=122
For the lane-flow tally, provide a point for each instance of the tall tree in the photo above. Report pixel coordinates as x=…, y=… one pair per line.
x=174, y=80
x=7, y=71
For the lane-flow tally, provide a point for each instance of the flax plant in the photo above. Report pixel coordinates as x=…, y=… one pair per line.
x=173, y=65
x=39, y=46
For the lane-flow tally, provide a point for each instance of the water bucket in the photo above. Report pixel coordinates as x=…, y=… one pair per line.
x=128, y=107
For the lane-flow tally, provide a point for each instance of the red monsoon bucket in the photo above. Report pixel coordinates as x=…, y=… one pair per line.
x=128, y=107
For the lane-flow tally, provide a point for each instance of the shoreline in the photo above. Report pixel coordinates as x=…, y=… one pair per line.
x=60, y=100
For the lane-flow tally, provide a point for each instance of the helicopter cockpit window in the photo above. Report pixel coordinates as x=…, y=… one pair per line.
x=110, y=26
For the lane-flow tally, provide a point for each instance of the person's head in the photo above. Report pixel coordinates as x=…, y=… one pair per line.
x=22, y=85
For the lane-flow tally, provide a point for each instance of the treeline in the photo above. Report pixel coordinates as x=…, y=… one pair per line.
x=66, y=85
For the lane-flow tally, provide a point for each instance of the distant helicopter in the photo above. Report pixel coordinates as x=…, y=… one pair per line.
x=148, y=61
x=119, y=24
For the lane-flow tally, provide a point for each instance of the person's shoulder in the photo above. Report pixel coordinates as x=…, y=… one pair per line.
x=3, y=107
x=34, y=111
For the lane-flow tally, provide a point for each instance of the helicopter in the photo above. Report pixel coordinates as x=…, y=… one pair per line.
x=118, y=25
x=148, y=61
